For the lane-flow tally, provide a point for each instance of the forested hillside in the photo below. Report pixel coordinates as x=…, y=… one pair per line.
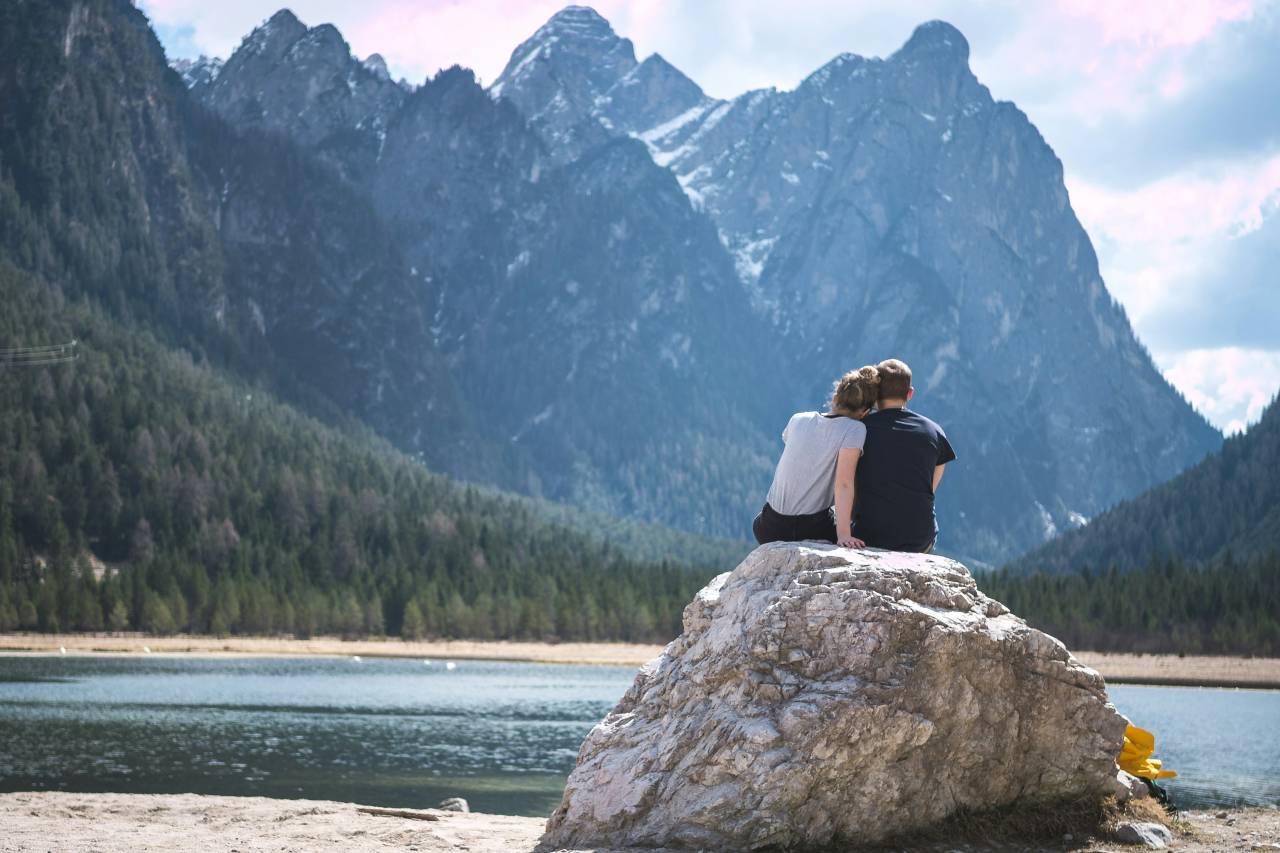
x=1166, y=606
x=214, y=508
x=1191, y=566
x=1226, y=506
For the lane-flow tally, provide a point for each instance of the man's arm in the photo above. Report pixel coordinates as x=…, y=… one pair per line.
x=937, y=476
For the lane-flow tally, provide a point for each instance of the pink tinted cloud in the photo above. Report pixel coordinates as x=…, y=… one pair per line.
x=1164, y=242
x=1101, y=57
x=1156, y=24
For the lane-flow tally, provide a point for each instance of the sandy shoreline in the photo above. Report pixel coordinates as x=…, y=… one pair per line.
x=133, y=823
x=604, y=654
x=1116, y=668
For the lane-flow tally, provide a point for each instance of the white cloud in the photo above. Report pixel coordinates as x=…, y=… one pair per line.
x=1230, y=386
x=1166, y=240
x=1188, y=258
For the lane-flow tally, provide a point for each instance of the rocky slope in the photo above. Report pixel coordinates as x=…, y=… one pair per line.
x=1227, y=508
x=633, y=284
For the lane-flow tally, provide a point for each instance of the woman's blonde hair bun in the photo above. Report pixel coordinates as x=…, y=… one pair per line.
x=856, y=390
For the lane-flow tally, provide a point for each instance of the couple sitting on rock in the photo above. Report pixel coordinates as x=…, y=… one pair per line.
x=879, y=468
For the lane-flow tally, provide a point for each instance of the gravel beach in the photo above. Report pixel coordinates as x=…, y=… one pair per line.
x=134, y=823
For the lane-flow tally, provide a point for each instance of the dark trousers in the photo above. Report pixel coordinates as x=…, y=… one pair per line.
x=773, y=526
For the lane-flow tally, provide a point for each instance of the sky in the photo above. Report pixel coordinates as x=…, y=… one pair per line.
x=1163, y=112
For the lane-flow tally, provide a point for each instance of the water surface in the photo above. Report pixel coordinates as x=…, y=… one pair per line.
x=380, y=731
x=1224, y=743
x=402, y=732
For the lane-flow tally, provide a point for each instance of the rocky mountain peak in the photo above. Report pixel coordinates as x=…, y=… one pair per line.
x=275, y=36
x=321, y=44
x=377, y=66
x=285, y=19
x=576, y=47
x=577, y=22
x=936, y=40
x=199, y=73
x=454, y=81
x=304, y=82
x=651, y=94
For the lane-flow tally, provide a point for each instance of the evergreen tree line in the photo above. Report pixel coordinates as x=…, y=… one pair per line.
x=140, y=490
x=1166, y=606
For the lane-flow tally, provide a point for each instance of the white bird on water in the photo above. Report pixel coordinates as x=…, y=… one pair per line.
x=147, y=649
x=356, y=658
x=427, y=662
x=450, y=665
x=62, y=649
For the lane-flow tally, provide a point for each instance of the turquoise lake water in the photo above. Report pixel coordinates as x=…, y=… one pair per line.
x=407, y=733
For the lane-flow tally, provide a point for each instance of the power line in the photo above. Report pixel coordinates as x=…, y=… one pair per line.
x=41, y=348
x=39, y=356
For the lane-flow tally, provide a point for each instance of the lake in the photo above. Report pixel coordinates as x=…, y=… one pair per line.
x=409, y=733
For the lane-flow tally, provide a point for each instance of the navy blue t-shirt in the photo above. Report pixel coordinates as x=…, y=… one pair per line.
x=894, y=506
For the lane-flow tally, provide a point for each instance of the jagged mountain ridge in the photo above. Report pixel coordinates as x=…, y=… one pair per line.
x=569, y=336
x=303, y=82
x=883, y=207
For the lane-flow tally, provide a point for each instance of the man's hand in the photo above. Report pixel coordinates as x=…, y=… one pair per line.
x=850, y=542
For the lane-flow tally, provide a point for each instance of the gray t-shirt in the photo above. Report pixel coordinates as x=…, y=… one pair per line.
x=805, y=480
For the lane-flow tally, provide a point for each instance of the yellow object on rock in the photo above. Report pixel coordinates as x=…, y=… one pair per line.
x=1136, y=758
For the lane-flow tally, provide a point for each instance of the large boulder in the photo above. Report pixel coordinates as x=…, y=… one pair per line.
x=824, y=695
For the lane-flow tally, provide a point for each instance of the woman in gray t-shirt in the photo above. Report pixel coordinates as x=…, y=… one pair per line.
x=817, y=468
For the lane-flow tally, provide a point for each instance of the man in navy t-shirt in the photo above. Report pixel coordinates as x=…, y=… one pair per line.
x=902, y=463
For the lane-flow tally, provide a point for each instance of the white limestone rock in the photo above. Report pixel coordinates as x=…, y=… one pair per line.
x=1126, y=786
x=1153, y=836
x=821, y=695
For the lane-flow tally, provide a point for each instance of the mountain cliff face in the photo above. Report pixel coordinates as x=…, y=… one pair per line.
x=893, y=208
x=596, y=284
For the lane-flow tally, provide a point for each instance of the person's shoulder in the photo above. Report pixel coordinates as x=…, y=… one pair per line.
x=931, y=422
x=919, y=418
x=887, y=419
x=800, y=418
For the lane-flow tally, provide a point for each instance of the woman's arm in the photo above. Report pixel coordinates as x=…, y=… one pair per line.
x=846, y=468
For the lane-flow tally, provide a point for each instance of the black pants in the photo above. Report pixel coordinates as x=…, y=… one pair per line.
x=773, y=526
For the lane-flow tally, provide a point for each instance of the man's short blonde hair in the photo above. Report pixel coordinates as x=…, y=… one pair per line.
x=895, y=379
